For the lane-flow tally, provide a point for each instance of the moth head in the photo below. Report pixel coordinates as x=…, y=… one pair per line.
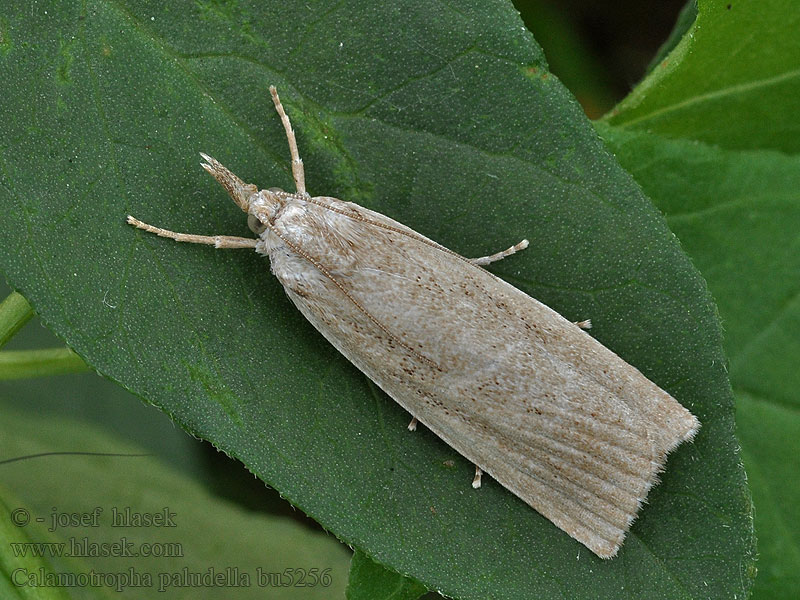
x=263, y=207
x=240, y=191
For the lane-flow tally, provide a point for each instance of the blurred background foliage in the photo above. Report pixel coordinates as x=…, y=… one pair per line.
x=601, y=49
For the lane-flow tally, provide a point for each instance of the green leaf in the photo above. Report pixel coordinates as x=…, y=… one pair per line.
x=733, y=80
x=21, y=364
x=450, y=123
x=16, y=563
x=738, y=215
x=370, y=581
x=683, y=23
x=14, y=313
x=769, y=432
x=202, y=534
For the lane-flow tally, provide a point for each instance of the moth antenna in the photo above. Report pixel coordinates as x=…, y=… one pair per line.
x=297, y=163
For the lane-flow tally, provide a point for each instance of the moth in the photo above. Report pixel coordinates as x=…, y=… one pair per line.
x=526, y=395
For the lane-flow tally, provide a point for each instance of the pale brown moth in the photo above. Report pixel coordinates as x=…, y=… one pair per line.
x=526, y=395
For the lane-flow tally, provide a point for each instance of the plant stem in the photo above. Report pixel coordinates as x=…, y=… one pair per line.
x=14, y=313
x=19, y=364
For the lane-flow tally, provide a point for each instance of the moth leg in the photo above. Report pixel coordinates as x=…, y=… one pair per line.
x=218, y=241
x=485, y=260
x=476, y=482
x=297, y=162
x=413, y=425
x=587, y=324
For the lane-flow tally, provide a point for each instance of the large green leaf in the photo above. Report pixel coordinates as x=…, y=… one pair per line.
x=733, y=80
x=450, y=123
x=252, y=554
x=738, y=216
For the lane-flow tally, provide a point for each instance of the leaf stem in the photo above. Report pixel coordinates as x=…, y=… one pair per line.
x=20, y=364
x=14, y=313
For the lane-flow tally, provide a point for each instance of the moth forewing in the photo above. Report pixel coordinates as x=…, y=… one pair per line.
x=510, y=384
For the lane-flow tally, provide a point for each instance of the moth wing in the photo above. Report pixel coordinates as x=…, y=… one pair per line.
x=503, y=379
